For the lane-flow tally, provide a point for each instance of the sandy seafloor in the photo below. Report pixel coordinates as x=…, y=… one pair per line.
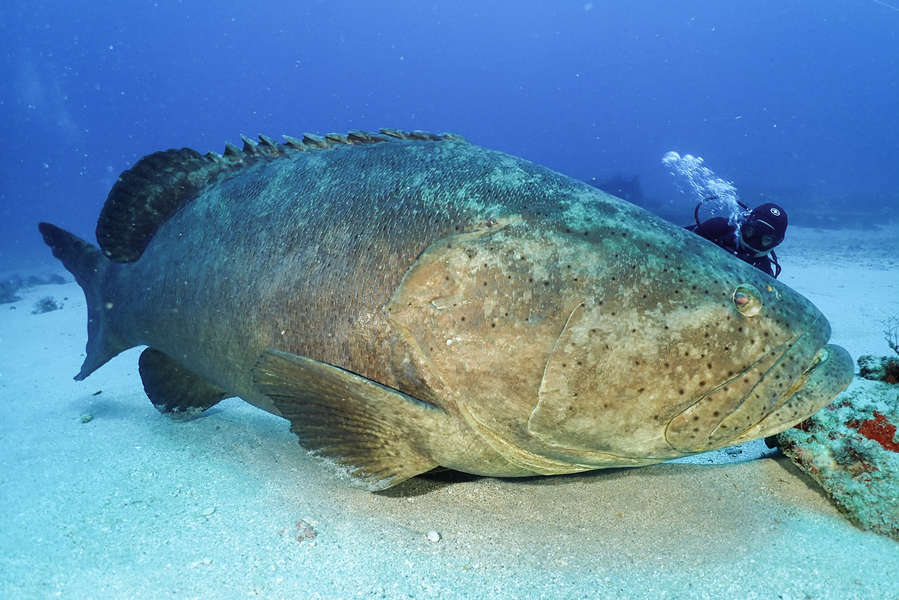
x=133, y=505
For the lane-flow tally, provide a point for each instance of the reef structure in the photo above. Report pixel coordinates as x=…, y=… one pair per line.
x=851, y=449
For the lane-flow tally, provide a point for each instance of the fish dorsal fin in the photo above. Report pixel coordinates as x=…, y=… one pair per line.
x=159, y=184
x=148, y=193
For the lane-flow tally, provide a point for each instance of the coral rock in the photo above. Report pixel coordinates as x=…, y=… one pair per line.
x=850, y=449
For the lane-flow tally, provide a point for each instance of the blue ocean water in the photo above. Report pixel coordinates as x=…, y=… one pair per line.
x=663, y=103
x=789, y=100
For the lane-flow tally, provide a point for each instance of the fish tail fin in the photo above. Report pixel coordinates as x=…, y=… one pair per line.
x=89, y=266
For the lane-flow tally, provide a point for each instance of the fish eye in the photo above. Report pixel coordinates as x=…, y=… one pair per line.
x=747, y=299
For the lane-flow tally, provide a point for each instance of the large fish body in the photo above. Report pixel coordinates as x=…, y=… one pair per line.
x=411, y=300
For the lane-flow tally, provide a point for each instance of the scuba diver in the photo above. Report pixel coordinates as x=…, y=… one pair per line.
x=760, y=230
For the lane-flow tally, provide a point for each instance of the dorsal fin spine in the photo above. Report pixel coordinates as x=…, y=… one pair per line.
x=294, y=143
x=314, y=141
x=249, y=146
x=232, y=152
x=336, y=138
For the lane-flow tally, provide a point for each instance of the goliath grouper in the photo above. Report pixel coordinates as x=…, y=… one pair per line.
x=410, y=300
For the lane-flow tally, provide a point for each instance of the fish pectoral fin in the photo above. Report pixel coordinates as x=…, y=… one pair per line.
x=174, y=390
x=376, y=432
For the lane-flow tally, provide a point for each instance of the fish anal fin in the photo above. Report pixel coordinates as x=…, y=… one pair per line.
x=375, y=432
x=174, y=390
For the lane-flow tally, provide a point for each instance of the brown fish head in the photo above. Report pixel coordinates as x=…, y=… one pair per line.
x=681, y=348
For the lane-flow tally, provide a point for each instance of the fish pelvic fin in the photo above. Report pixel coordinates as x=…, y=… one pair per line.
x=376, y=433
x=89, y=266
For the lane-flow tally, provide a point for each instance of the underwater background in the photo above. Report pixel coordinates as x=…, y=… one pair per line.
x=793, y=101
x=661, y=103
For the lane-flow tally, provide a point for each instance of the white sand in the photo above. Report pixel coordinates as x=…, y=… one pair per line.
x=133, y=505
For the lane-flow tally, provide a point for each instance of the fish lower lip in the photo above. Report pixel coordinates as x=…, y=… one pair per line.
x=820, y=358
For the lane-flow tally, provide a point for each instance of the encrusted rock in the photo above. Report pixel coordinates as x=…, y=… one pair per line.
x=879, y=368
x=850, y=448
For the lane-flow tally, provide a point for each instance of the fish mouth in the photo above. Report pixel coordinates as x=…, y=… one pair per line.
x=771, y=395
x=830, y=372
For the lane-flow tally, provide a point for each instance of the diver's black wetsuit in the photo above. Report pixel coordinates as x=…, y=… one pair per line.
x=721, y=232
